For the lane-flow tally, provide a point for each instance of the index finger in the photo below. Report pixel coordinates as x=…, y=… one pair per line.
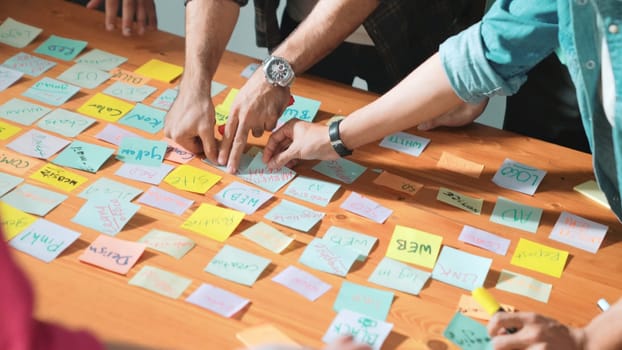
x=129, y=10
x=275, y=141
x=237, y=149
x=112, y=6
x=502, y=320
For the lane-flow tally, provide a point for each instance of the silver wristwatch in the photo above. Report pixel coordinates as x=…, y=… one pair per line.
x=278, y=71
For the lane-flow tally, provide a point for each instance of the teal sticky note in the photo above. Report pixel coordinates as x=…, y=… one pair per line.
x=8, y=182
x=461, y=269
x=84, y=76
x=83, y=156
x=351, y=239
x=303, y=109
x=165, y=100
x=368, y=301
x=17, y=34
x=514, y=214
x=62, y=48
x=28, y=64
x=99, y=59
x=136, y=150
x=44, y=240
x=311, y=190
x=22, y=112
x=258, y=173
x=294, y=215
x=105, y=215
x=217, y=88
x=129, y=92
x=467, y=333
x=107, y=188
x=51, y=91
x=33, y=199
x=325, y=256
x=145, y=118
x=237, y=265
x=64, y=122
x=340, y=169
x=394, y=274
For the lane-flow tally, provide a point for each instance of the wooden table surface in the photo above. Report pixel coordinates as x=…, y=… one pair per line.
x=82, y=296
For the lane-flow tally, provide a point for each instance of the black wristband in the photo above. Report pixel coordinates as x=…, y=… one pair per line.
x=335, y=139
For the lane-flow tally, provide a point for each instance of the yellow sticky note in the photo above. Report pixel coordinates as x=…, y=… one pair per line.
x=460, y=165
x=414, y=246
x=58, y=177
x=538, y=257
x=222, y=110
x=397, y=183
x=468, y=306
x=591, y=190
x=7, y=130
x=214, y=222
x=188, y=178
x=460, y=201
x=160, y=70
x=14, y=220
x=265, y=335
x=105, y=107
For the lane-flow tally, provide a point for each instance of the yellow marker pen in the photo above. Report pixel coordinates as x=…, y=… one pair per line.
x=489, y=303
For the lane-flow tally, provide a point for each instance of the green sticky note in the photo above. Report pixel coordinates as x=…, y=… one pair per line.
x=101, y=59
x=17, y=34
x=394, y=274
x=303, y=109
x=145, y=118
x=159, y=281
x=359, y=242
x=325, y=256
x=460, y=201
x=83, y=156
x=22, y=112
x=22, y=199
x=268, y=237
x=84, y=76
x=105, y=215
x=62, y=48
x=129, y=92
x=368, y=301
x=467, y=333
x=64, y=122
x=237, y=265
x=461, y=269
x=137, y=150
x=51, y=91
x=340, y=169
x=524, y=285
x=514, y=214
x=312, y=190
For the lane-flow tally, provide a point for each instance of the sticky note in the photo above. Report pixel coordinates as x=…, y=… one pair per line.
x=213, y=221
x=578, y=232
x=8, y=182
x=311, y=190
x=129, y=92
x=258, y=173
x=17, y=34
x=327, y=257
x=245, y=160
x=13, y=220
x=160, y=70
x=176, y=153
x=394, y=274
x=366, y=207
x=113, y=254
x=302, y=283
x=37, y=144
x=461, y=269
x=28, y=64
x=137, y=150
x=217, y=300
x=340, y=169
x=161, y=282
x=128, y=77
x=8, y=77
x=357, y=241
x=398, y=183
x=468, y=306
x=168, y=243
x=591, y=190
x=51, y=91
x=265, y=335
x=16, y=163
x=539, y=257
x=62, y=48
x=242, y=197
x=105, y=215
x=144, y=118
x=362, y=328
x=106, y=108
x=104, y=187
x=518, y=177
x=7, y=130
x=83, y=156
x=164, y=200
x=294, y=215
x=222, y=110
x=237, y=265
x=414, y=246
x=467, y=333
x=114, y=134
x=460, y=165
x=484, y=240
x=514, y=214
x=524, y=285
x=44, y=240
x=84, y=76
x=368, y=301
x=192, y=179
x=22, y=112
x=405, y=143
x=165, y=99
x=102, y=60
x=33, y=199
x=268, y=237
x=58, y=177
x=249, y=70
x=144, y=173
x=460, y=200
x=65, y=123
x=303, y=108
x=216, y=88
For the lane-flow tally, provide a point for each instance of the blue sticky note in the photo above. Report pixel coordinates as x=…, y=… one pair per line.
x=340, y=169
x=368, y=301
x=129, y=92
x=8, y=182
x=44, y=240
x=405, y=143
x=64, y=122
x=34, y=199
x=461, y=269
x=101, y=59
x=311, y=190
x=217, y=88
x=105, y=215
x=258, y=173
x=514, y=214
x=294, y=215
x=351, y=239
x=325, y=256
x=303, y=109
x=237, y=265
x=394, y=274
x=28, y=64
x=145, y=118
x=22, y=112
x=467, y=333
x=84, y=76
x=107, y=188
x=62, y=48
x=165, y=100
x=518, y=177
x=83, y=156
x=137, y=150
x=51, y=91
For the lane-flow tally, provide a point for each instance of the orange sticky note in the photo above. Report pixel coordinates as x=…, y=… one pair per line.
x=214, y=222
x=398, y=183
x=160, y=70
x=113, y=254
x=265, y=335
x=538, y=257
x=16, y=163
x=13, y=221
x=58, y=177
x=105, y=107
x=460, y=165
x=176, y=153
x=414, y=246
x=468, y=306
x=7, y=130
x=188, y=178
x=128, y=77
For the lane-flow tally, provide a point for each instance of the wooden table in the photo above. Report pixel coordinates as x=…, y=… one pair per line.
x=78, y=295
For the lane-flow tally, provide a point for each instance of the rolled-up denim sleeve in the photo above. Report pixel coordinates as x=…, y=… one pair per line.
x=492, y=57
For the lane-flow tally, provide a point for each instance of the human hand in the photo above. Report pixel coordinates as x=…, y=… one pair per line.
x=143, y=10
x=346, y=343
x=256, y=108
x=534, y=332
x=462, y=115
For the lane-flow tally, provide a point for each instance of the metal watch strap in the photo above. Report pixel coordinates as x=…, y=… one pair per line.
x=335, y=139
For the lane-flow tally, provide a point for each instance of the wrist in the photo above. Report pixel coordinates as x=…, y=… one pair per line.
x=334, y=134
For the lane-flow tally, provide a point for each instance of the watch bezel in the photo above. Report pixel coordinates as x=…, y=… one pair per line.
x=285, y=82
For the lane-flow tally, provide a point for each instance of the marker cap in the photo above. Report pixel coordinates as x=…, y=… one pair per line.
x=486, y=300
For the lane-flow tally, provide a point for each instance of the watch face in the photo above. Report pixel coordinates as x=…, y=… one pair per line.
x=279, y=70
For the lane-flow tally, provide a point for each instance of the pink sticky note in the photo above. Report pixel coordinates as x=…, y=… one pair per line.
x=143, y=173
x=217, y=300
x=367, y=208
x=484, y=240
x=165, y=200
x=114, y=134
x=176, y=153
x=113, y=254
x=302, y=282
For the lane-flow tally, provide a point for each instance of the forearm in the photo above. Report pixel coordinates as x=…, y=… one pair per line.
x=605, y=330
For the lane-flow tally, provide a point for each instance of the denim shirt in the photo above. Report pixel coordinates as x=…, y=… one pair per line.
x=493, y=56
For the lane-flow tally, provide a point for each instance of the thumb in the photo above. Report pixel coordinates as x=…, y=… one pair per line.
x=93, y=4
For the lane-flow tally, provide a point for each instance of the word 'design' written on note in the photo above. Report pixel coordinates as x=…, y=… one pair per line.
x=325, y=256
x=44, y=240
x=217, y=300
x=461, y=269
x=363, y=329
x=302, y=283
x=414, y=246
x=518, y=177
x=578, y=232
x=394, y=274
x=405, y=143
x=237, y=265
x=113, y=254
x=213, y=221
x=538, y=257
x=159, y=281
x=105, y=215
